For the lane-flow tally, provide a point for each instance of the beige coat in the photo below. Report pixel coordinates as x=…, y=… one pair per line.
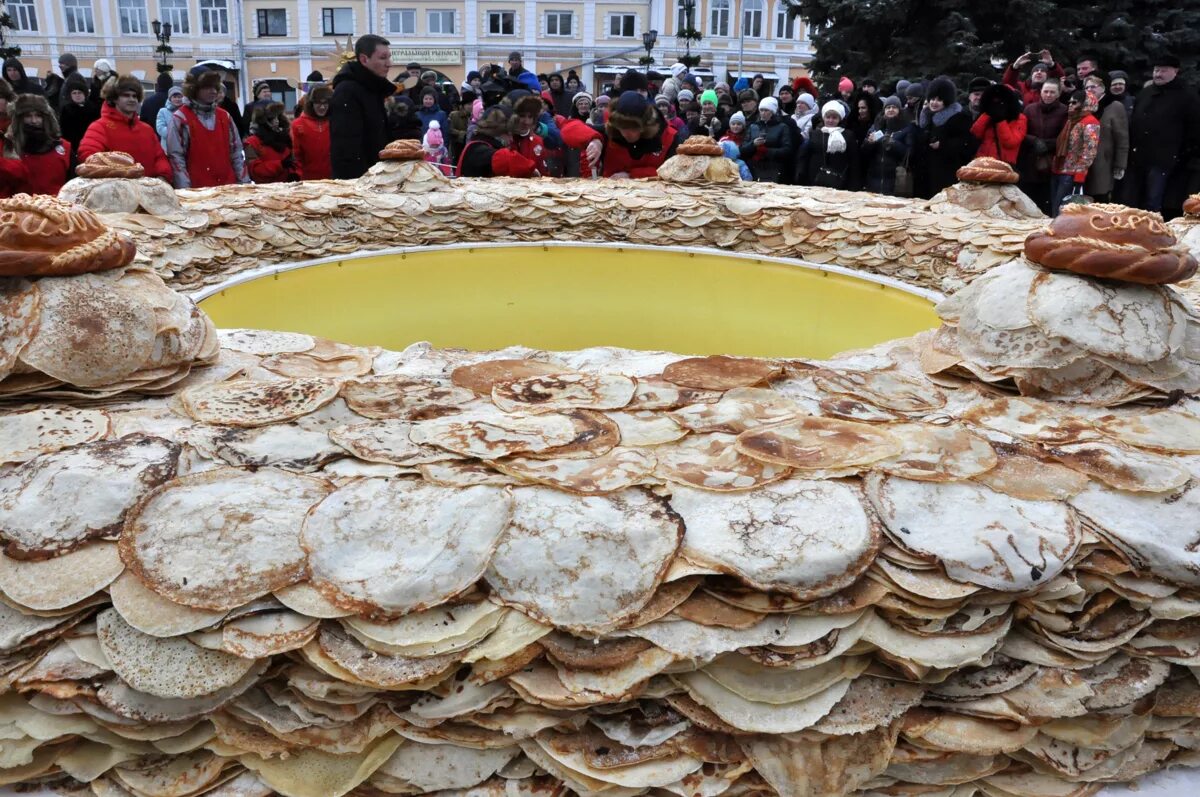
x=1113, y=154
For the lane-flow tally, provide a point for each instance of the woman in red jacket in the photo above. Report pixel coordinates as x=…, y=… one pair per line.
x=489, y=151
x=121, y=129
x=37, y=160
x=268, y=148
x=1001, y=127
x=636, y=139
x=310, y=136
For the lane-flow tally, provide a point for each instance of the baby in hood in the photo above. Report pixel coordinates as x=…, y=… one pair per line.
x=731, y=151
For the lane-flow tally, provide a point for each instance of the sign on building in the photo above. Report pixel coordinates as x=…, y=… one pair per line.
x=427, y=56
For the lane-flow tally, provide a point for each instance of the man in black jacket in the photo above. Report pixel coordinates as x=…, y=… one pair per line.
x=357, y=118
x=1164, y=134
x=157, y=100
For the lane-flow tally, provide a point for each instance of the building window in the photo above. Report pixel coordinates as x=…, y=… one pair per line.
x=24, y=15
x=214, y=17
x=337, y=22
x=272, y=22
x=752, y=19
x=502, y=23
x=622, y=26
x=402, y=21
x=176, y=12
x=133, y=17
x=559, y=23
x=441, y=23
x=718, y=18
x=786, y=25
x=79, y=17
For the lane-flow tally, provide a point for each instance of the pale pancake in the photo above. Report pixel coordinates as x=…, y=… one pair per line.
x=803, y=538
x=251, y=403
x=550, y=559
x=1122, y=468
x=656, y=393
x=362, y=560
x=738, y=410
x=153, y=614
x=890, y=389
x=1025, y=472
x=283, y=446
x=200, y=541
x=646, y=428
x=35, y=519
x=493, y=435
x=430, y=767
x=401, y=397
x=712, y=462
x=999, y=542
x=264, y=342
x=20, y=305
x=25, y=435
x=1169, y=431
x=753, y=717
x=482, y=377
x=66, y=579
x=170, y=668
x=616, y=470
x=388, y=442
x=938, y=453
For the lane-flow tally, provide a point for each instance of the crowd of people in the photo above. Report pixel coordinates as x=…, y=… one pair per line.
x=1068, y=132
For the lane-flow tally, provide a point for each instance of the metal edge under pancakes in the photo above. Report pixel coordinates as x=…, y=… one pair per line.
x=218, y=539
x=393, y=546
x=805, y=538
x=551, y=561
x=1003, y=543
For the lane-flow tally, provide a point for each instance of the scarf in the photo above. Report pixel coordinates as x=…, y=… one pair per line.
x=836, y=142
x=941, y=117
x=1064, y=136
x=36, y=140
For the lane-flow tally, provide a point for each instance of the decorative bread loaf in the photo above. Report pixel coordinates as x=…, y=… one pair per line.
x=406, y=149
x=699, y=145
x=1112, y=242
x=1191, y=205
x=987, y=170
x=42, y=236
x=110, y=164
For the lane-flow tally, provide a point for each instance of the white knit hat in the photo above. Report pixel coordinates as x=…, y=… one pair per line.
x=769, y=103
x=806, y=99
x=678, y=69
x=833, y=106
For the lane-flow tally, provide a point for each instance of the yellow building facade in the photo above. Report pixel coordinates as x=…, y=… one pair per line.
x=282, y=41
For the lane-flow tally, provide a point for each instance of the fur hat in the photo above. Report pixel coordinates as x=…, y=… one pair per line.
x=943, y=89
x=27, y=104
x=805, y=85
x=272, y=112
x=529, y=105
x=494, y=121
x=633, y=80
x=6, y=91
x=117, y=85
x=207, y=79
x=318, y=94
x=747, y=95
x=978, y=84
x=632, y=111
x=1000, y=103
x=579, y=94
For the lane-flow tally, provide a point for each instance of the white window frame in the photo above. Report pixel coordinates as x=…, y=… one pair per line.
x=287, y=24
x=24, y=15
x=441, y=14
x=79, y=16
x=133, y=18
x=333, y=18
x=494, y=22
x=214, y=17
x=719, y=14
x=781, y=22
x=558, y=17
x=621, y=15
x=753, y=13
x=178, y=14
x=398, y=16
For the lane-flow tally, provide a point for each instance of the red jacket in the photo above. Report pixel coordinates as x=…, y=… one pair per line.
x=272, y=165
x=44, y=173
x=640, y=159
x=115, y=132
x=481, y=158
x=1008, y=135
x=310, y=147
x=533, y=148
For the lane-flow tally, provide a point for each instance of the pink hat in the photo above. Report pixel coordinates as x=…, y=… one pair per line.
x=845, y=85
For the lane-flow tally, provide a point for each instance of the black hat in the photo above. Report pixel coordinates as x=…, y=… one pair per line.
x=1167, y=59
x=314, y=77
x=413, y=65
x=634, y=80
x=978, y=84
x=943, y=89
x=1117, y=74
x=514, y=56
x=869, y=82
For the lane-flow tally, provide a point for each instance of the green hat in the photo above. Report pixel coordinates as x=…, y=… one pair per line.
x=709, y=96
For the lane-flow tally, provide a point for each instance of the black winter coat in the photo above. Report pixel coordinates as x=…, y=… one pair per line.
x=882, y=157
x=74, y=121
x=842, y=169
x=1165, y=128
x=151, y=106
x=770, y=163
x=938, y=168
x=357, y=120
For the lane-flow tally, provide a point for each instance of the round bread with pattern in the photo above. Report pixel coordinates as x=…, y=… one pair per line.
x=987, y=170
x=43, y=236
x=110, y=164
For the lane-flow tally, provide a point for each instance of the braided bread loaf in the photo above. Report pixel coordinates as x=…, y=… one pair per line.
x=1191, y=205
x=110, y=164
x=1112, y=242
x=699, y=145
x=42, y=236
x=405, y=149
x=987, y=170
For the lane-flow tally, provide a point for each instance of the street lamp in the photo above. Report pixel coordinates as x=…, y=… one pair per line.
x=648, y=39
x=162, y=32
